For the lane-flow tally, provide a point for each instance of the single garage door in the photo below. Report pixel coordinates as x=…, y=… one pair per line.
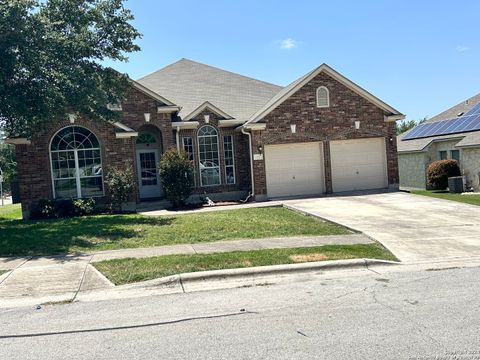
x=294, y=169
x=358, y=164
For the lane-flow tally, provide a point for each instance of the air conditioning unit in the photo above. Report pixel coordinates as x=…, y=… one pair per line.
x=456, y=184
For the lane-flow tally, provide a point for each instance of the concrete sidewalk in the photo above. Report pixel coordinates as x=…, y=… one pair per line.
x=61, y=278
x=233, y=245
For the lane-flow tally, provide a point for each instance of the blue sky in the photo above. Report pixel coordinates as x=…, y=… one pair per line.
x=419, y=56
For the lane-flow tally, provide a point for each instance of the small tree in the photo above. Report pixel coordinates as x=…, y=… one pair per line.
x=176, y=174
x=120, y=183
x=439, y=171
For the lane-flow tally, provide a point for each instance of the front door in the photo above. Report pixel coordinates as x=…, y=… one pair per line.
x=148, y=178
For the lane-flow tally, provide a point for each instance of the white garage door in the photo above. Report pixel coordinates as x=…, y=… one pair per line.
x=358, y=164
x=294, y=169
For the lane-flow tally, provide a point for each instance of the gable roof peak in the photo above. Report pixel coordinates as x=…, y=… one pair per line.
x=293, y=87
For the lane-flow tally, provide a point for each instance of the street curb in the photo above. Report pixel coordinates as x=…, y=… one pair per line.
x=257, y=271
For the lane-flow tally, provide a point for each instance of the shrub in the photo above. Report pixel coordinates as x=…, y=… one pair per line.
x=176, y=174
x=44, y=210
x=121, y=185
x=62, y=208
x=84, y=206
x=439, y=171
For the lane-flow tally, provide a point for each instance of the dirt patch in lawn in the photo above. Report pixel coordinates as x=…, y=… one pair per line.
x=308, y=257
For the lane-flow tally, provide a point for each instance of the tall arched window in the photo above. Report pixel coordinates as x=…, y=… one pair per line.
x=323, y=97
x=208, y=156
x=76, y=163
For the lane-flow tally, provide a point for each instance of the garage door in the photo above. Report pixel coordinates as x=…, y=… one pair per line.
x=294, y=169
x=358, y=164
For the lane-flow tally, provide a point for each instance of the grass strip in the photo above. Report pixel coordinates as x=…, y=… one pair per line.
x=441, y=194
x=123, y=271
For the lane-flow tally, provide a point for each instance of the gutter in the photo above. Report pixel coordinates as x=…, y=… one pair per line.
x=251, y=158
x=178, y=138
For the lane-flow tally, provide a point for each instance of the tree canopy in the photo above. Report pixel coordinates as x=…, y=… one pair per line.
x=51, y=54
x=406, y=125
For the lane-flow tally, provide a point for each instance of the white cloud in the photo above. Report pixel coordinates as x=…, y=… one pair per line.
x=462, y=48
x=287, y=44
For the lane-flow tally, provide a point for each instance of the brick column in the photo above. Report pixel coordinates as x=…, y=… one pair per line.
x=327, y=167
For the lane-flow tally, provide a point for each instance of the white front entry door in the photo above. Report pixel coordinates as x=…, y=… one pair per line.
x=294, y=169
x=148, y=178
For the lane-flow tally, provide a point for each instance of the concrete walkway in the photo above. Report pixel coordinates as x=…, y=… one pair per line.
x=152, y=211
x=61, y=278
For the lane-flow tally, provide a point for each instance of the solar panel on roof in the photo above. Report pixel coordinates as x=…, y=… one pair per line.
x=468, y=122
x=474, y=110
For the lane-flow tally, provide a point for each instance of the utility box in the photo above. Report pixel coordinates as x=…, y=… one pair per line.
x=455, y=184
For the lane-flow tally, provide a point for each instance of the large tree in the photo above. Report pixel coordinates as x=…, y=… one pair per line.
x=51, y=54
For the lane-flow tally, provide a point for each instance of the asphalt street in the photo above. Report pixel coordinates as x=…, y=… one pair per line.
x=381, y=314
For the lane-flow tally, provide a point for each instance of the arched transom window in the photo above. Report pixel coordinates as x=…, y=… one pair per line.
x=146, y=139
x=76, y=163
x=323, y=97
x=208, y=156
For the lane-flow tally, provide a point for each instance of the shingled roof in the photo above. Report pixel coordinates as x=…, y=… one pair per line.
x=471, y=138
x=190, y=84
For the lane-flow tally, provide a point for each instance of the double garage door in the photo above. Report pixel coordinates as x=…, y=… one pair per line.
x=298, y=169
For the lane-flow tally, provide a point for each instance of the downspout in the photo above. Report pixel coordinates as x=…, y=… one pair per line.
x=251, y=158
x=178, y=138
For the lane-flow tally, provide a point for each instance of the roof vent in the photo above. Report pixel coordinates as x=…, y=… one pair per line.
x=460, y=113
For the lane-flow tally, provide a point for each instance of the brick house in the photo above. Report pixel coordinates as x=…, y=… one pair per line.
x=320, y=134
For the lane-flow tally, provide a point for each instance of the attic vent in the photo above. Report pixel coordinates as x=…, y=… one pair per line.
x=460, y=113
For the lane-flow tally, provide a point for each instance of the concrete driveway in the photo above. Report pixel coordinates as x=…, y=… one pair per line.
x=413, y=227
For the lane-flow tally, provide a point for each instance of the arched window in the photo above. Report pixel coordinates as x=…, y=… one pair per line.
x=208, y=156
x=323, y=97
x=76, y=163
x=146, y=139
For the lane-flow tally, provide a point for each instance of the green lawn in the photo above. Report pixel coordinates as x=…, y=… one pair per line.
x=123, y=271
x=441, y=194
x=103, y=232
x=10, y=212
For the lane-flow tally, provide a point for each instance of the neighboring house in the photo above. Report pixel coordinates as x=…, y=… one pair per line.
x=452, y=134
x=320, y=134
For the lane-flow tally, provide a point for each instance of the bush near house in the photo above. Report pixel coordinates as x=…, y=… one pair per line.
x=63, y=208
x=121, y=185
x=439, y=171
x=176, y=174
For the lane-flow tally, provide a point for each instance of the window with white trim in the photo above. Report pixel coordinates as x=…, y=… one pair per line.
x=76, y=163
x=229, y=159
x=208, y=156
x=187, y=143
x=188, y=147
x=323, y=97
x=443, y=155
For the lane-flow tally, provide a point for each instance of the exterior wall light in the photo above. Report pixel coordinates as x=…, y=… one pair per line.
x=293, y=128
x=147, y=117
x=260, y=148
x=357, y=124
x=71, y=118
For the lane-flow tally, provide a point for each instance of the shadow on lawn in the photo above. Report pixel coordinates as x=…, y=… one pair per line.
x=59, y=236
